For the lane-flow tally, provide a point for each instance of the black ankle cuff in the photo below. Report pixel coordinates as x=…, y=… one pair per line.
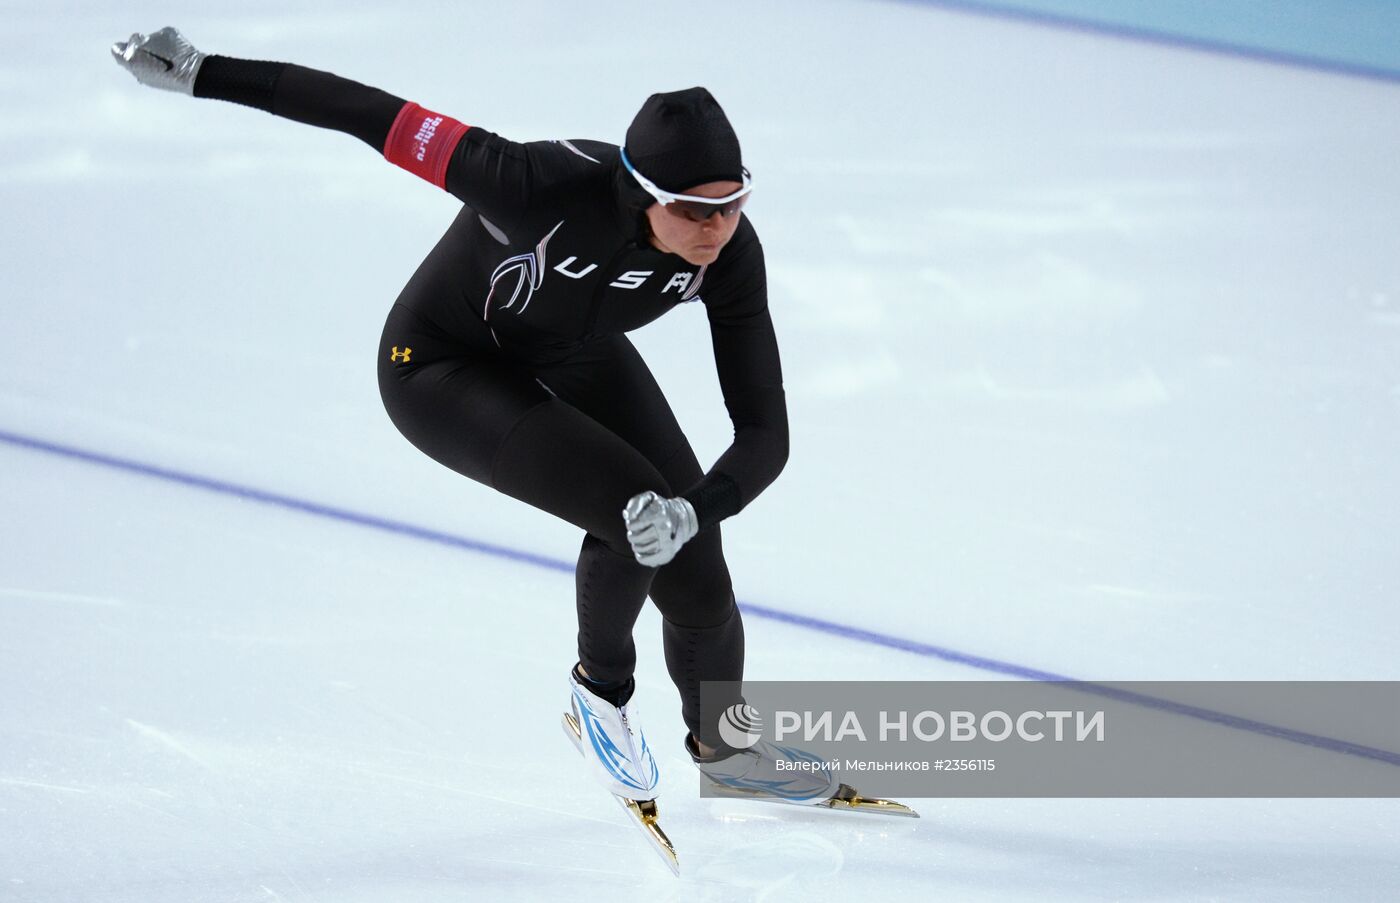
x=613, y=692
x=721, y=752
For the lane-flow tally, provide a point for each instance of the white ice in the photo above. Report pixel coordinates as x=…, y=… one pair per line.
x=1092, y=352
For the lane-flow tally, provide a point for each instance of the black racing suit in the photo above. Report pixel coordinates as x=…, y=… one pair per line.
x=504, y=358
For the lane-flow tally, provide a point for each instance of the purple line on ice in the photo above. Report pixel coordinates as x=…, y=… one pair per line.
x=1166, y=36
x=832, y=628
x=271, y=498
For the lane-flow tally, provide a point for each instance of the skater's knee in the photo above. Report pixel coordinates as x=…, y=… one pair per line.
x=615, y=541
x=695, y=590
x=709, y=605
x=609, y=524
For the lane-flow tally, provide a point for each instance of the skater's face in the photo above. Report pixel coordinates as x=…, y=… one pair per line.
x=699, y=242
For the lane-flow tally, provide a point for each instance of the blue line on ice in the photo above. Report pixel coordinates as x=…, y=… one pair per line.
x=1117, y=21
x=856, y=634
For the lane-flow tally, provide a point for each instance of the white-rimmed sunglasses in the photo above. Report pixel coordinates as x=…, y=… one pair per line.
x=692, y=206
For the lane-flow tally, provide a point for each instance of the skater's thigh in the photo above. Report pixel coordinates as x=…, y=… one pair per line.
x=610, y=382
x=488, y=418
x=561, y=460
x=453, y=398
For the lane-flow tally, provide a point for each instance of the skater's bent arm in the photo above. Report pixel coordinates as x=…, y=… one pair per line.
x=759, y=414
x=751, y=379
x=479, y=167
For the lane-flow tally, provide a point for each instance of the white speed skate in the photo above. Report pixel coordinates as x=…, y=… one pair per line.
x=758, y=773
x=619, y=757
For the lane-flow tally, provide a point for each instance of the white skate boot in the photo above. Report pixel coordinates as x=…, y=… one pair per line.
x=613, y=744
x=785, y=774
x=617, y=753
x=757, y=771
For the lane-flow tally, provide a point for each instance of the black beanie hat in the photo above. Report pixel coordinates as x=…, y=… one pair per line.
x=681, y=139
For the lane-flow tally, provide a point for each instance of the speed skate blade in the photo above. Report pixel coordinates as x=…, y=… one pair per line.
x=644, y=812
x=571, y=730
x=845, y=799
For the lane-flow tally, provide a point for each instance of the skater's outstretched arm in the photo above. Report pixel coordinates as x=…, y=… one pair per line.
x=479, y=167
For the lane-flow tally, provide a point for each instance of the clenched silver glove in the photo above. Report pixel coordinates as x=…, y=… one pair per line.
x=162, y=60
x=657, y=527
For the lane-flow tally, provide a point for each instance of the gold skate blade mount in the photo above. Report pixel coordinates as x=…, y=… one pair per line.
x=644, y=812
x=845, y=799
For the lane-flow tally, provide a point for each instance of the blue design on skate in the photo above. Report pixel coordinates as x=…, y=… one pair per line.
x=781, y=789
x=614, y=759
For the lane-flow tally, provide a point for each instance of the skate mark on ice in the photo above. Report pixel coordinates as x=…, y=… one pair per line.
x=39, y=785
x=16, y=592
x=156, y=809
x=167, y=741
x=510, y=802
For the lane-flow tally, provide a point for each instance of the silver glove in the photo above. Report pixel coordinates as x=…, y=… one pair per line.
x=657, y=527
x=162, y=60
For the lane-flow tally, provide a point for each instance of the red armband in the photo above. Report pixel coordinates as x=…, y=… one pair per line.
x=422, y=142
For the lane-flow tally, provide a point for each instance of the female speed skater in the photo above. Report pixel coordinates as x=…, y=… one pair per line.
x=505, y=359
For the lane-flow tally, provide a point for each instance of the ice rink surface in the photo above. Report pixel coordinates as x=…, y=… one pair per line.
x=1092, y=350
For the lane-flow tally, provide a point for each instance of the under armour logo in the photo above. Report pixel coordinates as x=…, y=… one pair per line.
x=398, y=355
